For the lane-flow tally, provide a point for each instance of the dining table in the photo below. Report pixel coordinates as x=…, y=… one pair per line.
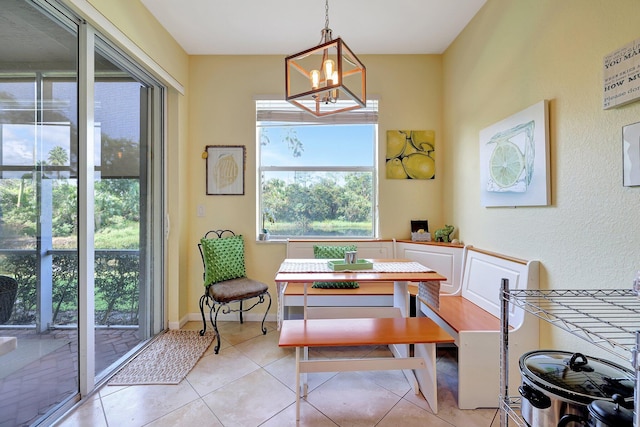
x=399, y=271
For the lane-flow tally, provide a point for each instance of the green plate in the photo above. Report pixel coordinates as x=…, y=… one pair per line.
x=340, y=265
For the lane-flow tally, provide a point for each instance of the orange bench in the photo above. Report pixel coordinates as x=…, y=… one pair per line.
x=421, y=331
x=463, y=315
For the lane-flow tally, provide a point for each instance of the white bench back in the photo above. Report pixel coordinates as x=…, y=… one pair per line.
x=482, y=276
x=380, y=249
x=444, y=259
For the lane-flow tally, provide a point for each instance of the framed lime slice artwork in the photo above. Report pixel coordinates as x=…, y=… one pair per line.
x=514, y=159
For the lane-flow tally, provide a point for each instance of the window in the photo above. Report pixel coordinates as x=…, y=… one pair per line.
x=317, y=176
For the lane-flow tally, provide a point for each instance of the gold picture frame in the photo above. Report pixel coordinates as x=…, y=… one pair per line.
x=225, y=170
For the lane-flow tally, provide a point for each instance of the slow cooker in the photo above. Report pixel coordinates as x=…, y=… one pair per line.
x=556, y=383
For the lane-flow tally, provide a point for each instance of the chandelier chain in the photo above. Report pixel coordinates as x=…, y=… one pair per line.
x=326, y=14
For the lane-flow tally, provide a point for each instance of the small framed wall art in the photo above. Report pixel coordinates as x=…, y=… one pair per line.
x=631, y=155
x=225, y=169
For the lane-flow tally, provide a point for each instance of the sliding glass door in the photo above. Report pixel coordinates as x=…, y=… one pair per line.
x=80, y=209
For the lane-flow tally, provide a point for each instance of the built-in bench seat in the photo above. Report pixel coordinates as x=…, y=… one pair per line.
x=472, y=317
x=420, y=331
x=462, y=315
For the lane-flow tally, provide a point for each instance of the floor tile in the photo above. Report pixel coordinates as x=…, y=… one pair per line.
x=350, y=399
x=89, y=414
x=406, y=414
x=192, y=414
x=236, y=332
x=264, y=349
x=309, y=417
x=250, y=400
x=216, y=370
x=138, y=405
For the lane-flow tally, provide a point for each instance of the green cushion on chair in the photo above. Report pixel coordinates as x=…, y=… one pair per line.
x=333, y=252
x=223, y=259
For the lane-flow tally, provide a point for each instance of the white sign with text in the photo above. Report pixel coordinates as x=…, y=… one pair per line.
x=621, y=76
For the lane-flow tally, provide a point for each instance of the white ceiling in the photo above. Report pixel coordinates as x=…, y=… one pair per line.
x=283, y=27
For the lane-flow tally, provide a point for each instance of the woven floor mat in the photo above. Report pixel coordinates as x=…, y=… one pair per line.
x=167, y=360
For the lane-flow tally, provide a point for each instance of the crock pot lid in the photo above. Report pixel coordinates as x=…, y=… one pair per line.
x=611, y=414
x=597, y=378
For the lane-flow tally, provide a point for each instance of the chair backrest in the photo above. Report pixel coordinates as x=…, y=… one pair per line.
x=8, y=293
x=211, y=234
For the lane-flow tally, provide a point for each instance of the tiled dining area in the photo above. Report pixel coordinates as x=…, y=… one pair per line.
x=251, y=382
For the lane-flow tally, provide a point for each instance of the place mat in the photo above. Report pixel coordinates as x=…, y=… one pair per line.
x=321, y=266
x=167, y=360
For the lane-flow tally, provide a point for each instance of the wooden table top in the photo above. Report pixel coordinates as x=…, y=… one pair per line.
x=360, y=275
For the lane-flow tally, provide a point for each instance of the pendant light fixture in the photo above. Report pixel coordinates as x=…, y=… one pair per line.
x=326, y=79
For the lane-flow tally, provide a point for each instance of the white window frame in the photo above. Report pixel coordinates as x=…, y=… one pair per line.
x=270, y=110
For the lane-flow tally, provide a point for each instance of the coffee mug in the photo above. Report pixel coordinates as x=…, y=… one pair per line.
x=350, y=257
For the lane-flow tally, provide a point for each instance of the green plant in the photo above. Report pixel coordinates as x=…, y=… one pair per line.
x=267, y=215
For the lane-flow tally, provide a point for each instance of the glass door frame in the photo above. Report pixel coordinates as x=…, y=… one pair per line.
x=152, y=244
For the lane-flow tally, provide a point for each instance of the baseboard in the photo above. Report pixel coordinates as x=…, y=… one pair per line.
x=179, y=324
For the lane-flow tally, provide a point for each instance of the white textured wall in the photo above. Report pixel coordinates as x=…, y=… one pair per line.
x=512, y=55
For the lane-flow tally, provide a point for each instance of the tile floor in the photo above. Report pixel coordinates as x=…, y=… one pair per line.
x=251, y=383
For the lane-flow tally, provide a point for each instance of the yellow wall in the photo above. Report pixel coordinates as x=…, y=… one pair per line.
x=141, y=27
x=512, y=55
x=222, y=112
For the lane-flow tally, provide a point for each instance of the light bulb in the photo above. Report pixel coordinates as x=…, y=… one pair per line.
x=315, y=79
x=329, y=67
x=334, y=77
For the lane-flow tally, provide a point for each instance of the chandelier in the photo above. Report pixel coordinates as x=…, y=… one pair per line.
x=326, y=79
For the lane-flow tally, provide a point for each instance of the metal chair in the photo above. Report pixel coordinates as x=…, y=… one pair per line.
x=218, y=295
x=8, y=293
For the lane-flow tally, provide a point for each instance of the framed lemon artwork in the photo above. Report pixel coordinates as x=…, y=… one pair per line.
x=225, y=169
x=411, y=154
x=514, y=159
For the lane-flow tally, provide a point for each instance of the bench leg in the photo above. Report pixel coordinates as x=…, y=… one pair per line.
x=298, y=383
x=305, y=378
x=427, y=377
x=401, y=297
